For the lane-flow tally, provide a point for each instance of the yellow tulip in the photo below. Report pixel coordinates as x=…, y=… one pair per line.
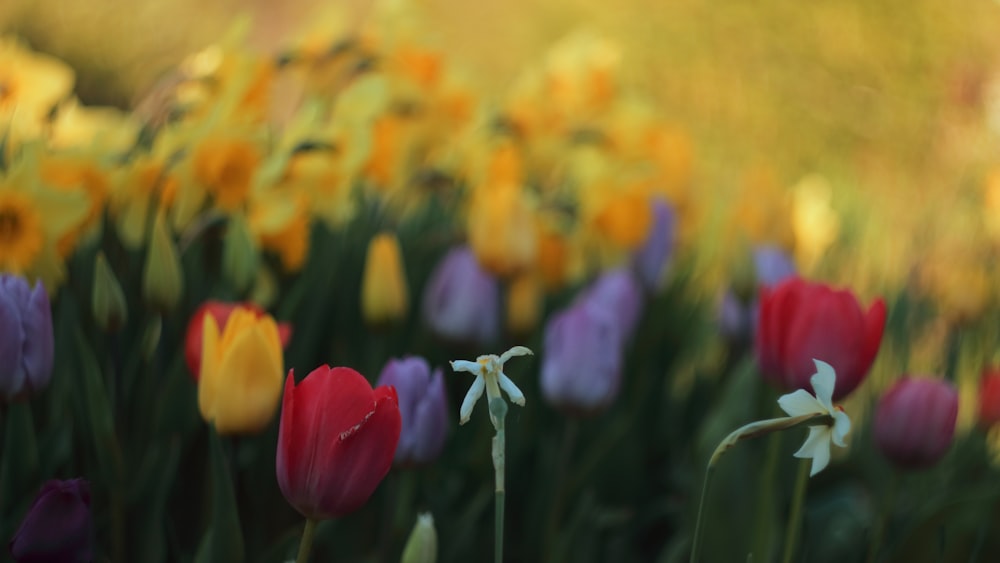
x=502, y=230
x=524, y=304
x=241, y=372
x=384, y=296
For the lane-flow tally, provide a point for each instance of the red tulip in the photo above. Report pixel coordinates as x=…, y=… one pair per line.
x=801, y=321
x=221, y=311
x=915, y=421
x=336, y=441
x=989, y=397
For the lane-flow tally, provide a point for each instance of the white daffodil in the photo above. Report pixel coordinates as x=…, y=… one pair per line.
x=489, y=377
x=801, y=403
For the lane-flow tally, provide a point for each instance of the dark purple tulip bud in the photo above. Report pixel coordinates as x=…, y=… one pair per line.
x=462, y=300
x=26, y=352
x=618, y=294
x=915, y=421
x=581, y=364
x=423, y=407
x=58, y=526
x=650, y=258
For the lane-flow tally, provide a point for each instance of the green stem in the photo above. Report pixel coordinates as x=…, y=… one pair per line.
x=695, y=547
x=498, y=516
x=305, y=546
x=888, y=502
x=795, y=519
x=555, y=514
x=764, y=525
x=498, y=410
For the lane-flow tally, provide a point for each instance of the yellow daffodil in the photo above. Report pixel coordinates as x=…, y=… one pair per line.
x=241, y=372
x=31, y=85
x=384, y=295
x=279, y=220
x=77, y=173
x=95, y=128
x=34, y=218
x=143, y=182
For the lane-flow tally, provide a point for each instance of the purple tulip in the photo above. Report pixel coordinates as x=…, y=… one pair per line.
x=617, y=293
x=58, y=526
x=423, y=406
x=772, y=265
x=737, y=317
x=462, y=300
x=26, y=351
x=915, y=421
x=582, y=360
x=650, y=258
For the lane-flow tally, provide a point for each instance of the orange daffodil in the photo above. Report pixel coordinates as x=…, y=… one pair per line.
x=241, y=372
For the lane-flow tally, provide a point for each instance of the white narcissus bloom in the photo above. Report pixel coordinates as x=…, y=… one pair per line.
x=489, y=377
x=801, y=403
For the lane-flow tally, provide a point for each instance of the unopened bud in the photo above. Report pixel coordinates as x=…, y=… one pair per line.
x=421, y=547
x=239, y=255
x=162, y=282
x=107, y=299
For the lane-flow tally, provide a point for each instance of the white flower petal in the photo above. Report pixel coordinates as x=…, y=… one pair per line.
x=465, y=365
x=841, y=426
x=817, y=447
x=515, y=351
x=823, y=383
x=515, y=394
x=475, y=392
x=800, y=403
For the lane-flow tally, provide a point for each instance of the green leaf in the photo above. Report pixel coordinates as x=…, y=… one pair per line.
x=154, y=482
x=19, y=466
x=223, y=541
x=99, y=414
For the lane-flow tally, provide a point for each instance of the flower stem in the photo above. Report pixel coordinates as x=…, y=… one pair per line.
x=555, y=512
x=883, y=519
x=701, y=514
x=795, y=519
x=305, y=546
x=498, y=409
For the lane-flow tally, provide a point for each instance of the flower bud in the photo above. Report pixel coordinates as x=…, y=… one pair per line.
x=162, y=280
x=335, y=442
x=384, y=294
x=423, y=406
x=619, y=294
x=241, y=372
x=524, y=304
x=581, y=367
x=421, y=547
x=58, y=526
x=989, y=397
x=915, y=421
x=462, y=300
x=26, y=338
x=800, y=321
x=107, y=299
x=239, y=254
x=502, y=229
x=652, y=256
